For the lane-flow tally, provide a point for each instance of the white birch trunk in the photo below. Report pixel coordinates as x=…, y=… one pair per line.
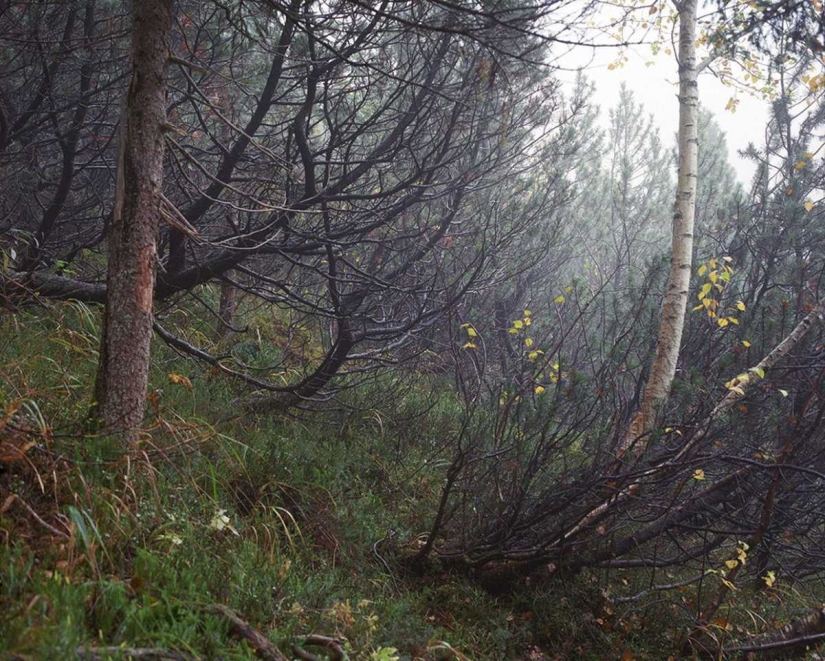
x=672, y=319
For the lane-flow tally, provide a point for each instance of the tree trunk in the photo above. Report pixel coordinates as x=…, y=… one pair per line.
x=226, y=311
x=672, y=318
x=120, y=390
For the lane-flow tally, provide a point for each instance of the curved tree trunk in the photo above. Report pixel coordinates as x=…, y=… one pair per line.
x=120, y=390
x=672, y=319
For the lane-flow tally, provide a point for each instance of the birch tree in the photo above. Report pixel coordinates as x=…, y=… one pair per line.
x=672, y=319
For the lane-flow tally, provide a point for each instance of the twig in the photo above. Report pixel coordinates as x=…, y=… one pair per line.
x=15, y=498
x=172, y=215
x=186, y=63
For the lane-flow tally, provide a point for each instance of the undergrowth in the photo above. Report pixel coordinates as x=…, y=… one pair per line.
x=293, y=523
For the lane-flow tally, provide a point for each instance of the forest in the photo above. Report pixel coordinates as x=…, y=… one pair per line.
x=360, y=330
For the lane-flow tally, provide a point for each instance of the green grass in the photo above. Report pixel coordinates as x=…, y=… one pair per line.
x=279, y=519
x=300, y=506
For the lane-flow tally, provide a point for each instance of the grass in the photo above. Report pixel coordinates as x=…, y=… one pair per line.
x=290, y=523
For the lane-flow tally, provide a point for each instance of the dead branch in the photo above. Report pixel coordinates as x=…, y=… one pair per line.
x=334, y=646
x=792, y=640
x=14, y=498
x=263, y=647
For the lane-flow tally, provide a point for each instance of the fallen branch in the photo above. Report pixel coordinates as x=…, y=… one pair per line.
x=794, y=638
x=334, y=647
x=260, y=644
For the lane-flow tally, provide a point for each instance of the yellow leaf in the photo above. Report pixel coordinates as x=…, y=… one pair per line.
x=528, y=313
x=699, y=474
x=746, y=344
x=722, y=322
x=799, y=165
x=471, y=332
x=770, y=578
x=703, y=269
x=784, y=393
x=540, y=389
x=528, y=342
x=180, y=379
x=809, y=206
x=728, y=584
x=740, y=306
x=731, y=564
x=559, y=299
x=469, y=345
x=760, y=372
x=518, y=324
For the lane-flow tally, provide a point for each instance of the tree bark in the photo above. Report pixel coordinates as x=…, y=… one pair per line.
x=226, y=311
x=120, y=390
x=672, y=318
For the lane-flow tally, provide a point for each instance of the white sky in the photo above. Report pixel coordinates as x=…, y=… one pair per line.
x=656, y=88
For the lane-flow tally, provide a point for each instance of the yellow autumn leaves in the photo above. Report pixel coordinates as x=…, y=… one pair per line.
x=718, y=273
x=180, y=379
x=520, y=327
x=471, y=334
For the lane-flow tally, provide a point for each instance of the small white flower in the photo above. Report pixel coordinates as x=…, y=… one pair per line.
x=219, y=521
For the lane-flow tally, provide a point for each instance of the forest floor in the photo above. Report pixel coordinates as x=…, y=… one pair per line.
x=294, y=524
